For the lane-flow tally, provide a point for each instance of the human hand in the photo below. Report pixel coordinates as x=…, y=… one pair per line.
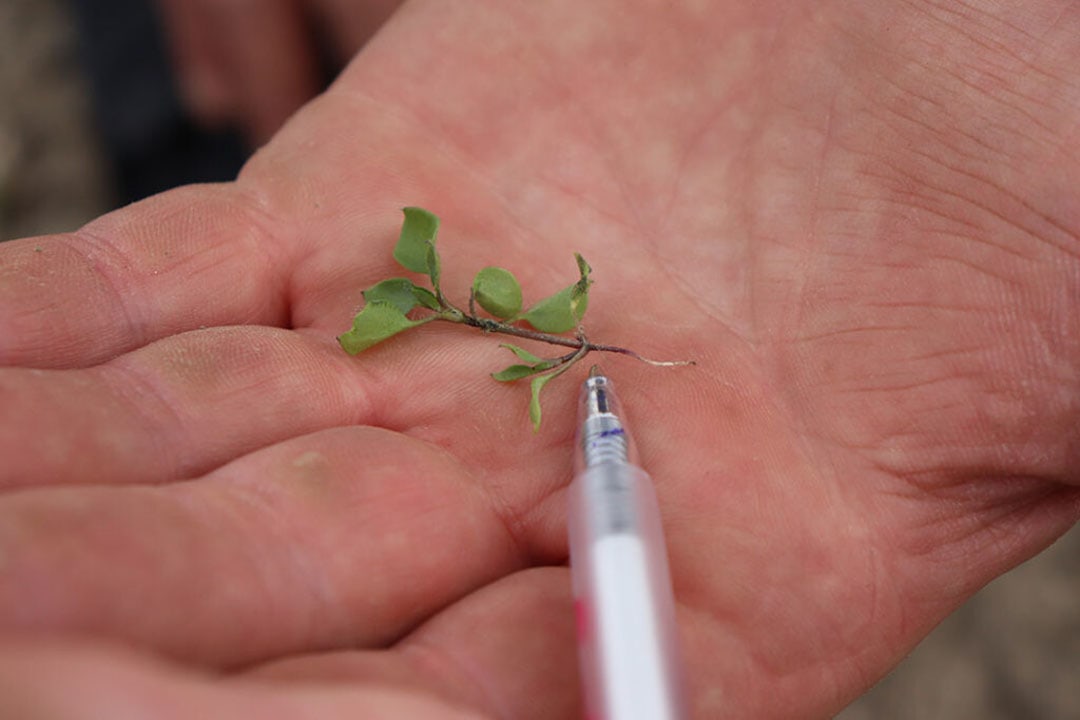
x=860, y=221
x=256, y=63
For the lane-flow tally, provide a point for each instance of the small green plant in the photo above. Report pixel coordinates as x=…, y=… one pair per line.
x=389, y=305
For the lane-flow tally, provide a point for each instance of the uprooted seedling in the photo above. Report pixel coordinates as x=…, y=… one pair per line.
x=398, y=304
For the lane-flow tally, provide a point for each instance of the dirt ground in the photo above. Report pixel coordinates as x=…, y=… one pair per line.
x=51, y=172
x=1012, y=652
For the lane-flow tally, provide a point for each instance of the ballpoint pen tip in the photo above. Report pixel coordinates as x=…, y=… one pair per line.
x=594, y=371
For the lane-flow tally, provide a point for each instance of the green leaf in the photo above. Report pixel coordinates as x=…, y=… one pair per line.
x=522, y=353
x=402, y=293
x=516, y=372
x=581, y=287
x=399, y=292
x=583, y=267
x=559, y=312
x=498, y=292
x=376, y=322
x=565, y=309
x=536, y=386
x=426, y=298
x=417, y=239
x=434, y=266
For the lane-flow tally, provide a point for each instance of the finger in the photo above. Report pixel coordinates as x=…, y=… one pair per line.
x=177, y=408
x=351, y=24
x=507, y=649
x=271, y=59
x=515, y=639
x=198, y=61
x=193, y=257
x=248, y=62
x=262, y=52
x=345, y=538
x=187, y=404
x=68, y=681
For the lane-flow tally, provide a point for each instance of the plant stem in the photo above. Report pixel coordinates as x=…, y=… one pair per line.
x=580, y=342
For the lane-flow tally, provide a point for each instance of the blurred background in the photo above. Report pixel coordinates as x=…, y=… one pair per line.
x=84, y=129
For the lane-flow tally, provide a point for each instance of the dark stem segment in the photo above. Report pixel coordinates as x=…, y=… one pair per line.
x=580, y=342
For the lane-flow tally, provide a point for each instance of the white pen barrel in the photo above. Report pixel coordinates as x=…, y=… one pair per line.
x=622, y=589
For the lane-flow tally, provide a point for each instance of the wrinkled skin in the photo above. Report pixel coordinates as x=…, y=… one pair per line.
x=861, y=219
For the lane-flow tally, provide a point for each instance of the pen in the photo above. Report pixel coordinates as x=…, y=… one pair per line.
x=622, y=587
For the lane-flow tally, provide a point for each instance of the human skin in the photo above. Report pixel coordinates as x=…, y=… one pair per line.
x=252, y=63
x=860, y=219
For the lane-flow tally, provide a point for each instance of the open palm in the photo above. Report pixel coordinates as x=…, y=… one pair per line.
x=860, y=220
